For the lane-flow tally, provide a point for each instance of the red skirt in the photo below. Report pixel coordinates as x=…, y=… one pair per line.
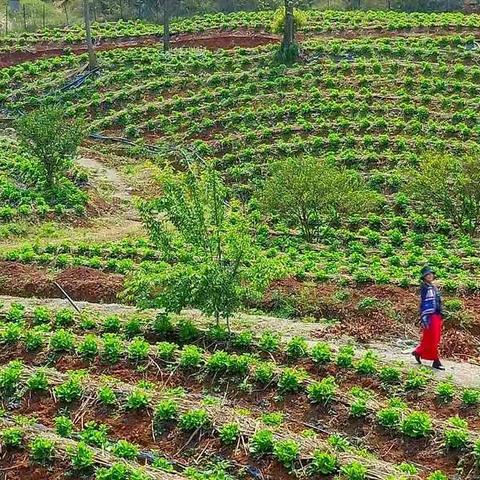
x=428, y=348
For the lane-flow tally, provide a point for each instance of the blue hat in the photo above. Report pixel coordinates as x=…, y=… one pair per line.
x=425, y=271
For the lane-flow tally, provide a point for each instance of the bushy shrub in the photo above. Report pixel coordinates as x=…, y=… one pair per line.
x=261, y=442
x=417, y=425
x=322, y=391
x=323, y=463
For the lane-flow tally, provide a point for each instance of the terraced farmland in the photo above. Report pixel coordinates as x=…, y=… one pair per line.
x=325, y=387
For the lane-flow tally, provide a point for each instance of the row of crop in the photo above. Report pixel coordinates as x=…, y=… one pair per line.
x=307, y=90
x=257, y=79
x=45, y=446
x=117, y=334
x=394, y=415
x=167, y=408
x=194, y=415
x=148, y=60
x=315, y=21
x=461, y=72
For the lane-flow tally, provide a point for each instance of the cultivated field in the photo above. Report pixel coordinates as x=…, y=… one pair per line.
x=315, y=380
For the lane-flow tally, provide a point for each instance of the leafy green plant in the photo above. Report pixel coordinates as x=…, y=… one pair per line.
x=456, y=433
x=166, y=351
x=367, y=365
x=391, y=415
x=261, y=442
x=286, y=452
x=166, y=411
x=273, y=419
x=322, y=391
x=107, y=396
x=476, y=452
x=41, y=315
x=194, y=420
x=10, y=377
x=321, y=353
x=12, y=437
x=359, y=404
x=138, y=350
x=63, y=426
x=42, y=450
x=34, y=339
x=112, y=348
x=264, y=372
x=243, y=340
x=291, y=380
x=345, y=356
x=95, y=434
x=126, y=450
x=470, y=397
x=137, y=400
x=269, y=341
x=188, y=332
x=354, y=471
x=190, y=357
x=390, y=375
x=81, y=457
x=229, y=433
x=64, y=317
x=416, y=379
x=323, y=463
x=72, y=389
x=132, y=327
x=437, y=475
x=445, y=391
x=88, y=348
x=111, y=324
x=62, y=341
x=416, y=425
x=38, y=382
x=16, y=313
x=163, y=326
x=219, y=362
x=296, y=348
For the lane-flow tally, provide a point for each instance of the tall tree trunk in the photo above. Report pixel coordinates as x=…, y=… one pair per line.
x=92, y=57
x=166, y=25
x=289, y=31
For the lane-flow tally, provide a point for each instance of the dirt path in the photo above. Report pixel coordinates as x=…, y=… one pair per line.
x=214, y=39
x=463, y=374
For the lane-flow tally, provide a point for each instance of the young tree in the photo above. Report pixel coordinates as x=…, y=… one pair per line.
x=208, y=239
x=52, y=139
x=288, y=20
x=308, y=192
x=448, y=185
x=167, y=7
x=92, y=56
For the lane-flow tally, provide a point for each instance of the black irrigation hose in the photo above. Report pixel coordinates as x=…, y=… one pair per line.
x=79, y=80
x=125, y=141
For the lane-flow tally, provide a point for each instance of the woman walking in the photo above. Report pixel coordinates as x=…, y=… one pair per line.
x=431, y=320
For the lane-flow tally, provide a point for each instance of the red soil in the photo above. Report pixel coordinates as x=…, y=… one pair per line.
x=212, y=40
x=396, y=314
x=17, y=465
x=81, y=283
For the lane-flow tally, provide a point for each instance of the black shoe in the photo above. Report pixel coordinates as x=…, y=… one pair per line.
x=438, y=365
x=417, y=357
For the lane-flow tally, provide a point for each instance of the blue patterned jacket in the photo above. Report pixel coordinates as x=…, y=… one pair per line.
x=430, y=302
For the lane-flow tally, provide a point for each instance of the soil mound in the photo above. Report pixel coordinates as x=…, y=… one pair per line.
x=81, y=283
x=90, y=285
x=25, y=281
